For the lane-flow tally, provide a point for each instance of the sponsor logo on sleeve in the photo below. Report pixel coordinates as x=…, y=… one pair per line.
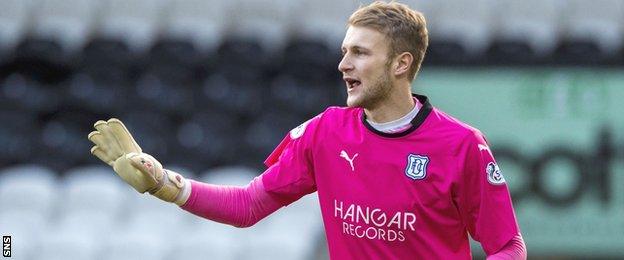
x=494, y=174
x=299, y=130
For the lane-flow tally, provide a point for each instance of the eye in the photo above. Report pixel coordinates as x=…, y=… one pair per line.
x=359, y=52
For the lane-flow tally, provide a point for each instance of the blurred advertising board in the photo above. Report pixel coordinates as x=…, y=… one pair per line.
x=558, y=136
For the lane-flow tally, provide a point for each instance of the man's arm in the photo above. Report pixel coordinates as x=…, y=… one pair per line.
x=515, y=249
x=288, y=178
x=236, y=206
x=483, y=197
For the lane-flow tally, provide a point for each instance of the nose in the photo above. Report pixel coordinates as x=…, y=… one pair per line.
x=345, y=65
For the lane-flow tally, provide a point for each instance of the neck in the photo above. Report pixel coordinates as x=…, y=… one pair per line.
x=395, y=106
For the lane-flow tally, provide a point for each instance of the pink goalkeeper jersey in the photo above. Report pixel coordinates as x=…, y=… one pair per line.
x=410, y=195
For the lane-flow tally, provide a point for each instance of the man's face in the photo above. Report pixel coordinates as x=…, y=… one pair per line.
x=365, y=67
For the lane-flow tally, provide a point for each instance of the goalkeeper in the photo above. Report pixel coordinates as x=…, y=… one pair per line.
x=396, y=177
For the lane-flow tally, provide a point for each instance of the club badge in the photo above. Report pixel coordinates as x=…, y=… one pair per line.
x=416, y=166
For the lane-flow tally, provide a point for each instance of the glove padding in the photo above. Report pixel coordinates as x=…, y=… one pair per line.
x=115, y=146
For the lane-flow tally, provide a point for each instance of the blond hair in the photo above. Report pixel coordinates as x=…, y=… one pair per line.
x=406, y=28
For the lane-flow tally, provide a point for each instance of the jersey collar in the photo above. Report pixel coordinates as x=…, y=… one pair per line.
x=418, y=120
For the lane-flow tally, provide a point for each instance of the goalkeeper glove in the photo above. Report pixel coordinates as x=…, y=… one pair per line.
x=115, y=146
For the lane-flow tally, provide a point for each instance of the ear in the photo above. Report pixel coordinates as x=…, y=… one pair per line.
x=403, y=63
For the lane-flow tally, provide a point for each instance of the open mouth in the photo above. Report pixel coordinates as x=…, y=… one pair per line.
x=352, y=83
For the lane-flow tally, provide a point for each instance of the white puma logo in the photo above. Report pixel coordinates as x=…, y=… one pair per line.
x=344, y=155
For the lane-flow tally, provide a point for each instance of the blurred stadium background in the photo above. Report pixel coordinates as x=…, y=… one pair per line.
x=211, y=86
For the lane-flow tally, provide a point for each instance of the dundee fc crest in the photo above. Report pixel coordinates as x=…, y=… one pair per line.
x=416, y=166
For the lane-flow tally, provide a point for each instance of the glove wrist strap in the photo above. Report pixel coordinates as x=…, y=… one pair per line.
x=169, y=187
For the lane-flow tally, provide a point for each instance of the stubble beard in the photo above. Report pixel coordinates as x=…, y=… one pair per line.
x=371, y=97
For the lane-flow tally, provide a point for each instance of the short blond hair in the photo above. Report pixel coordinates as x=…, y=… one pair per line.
x=406, y=28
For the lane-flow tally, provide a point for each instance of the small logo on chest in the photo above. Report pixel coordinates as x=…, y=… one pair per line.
x=416, y=167
x=344, y=155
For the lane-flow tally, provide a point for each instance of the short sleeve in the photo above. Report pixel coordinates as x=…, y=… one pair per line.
x=483, y=198
x=290, y=175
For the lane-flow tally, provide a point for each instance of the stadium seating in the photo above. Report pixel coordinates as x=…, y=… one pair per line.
x=306, y=97
x=91, y=93
x=14, y=15
x=240, y=92
x=310, y=59
x=459, y=31
x=62, y=138
x=592, y=32
x=134, y=22
x=167, y=95
x=266, y=131
x=67, y=22
x=211, y=241
x=25, y=229
x=525, y=32
x=128, y=245
x=17, y=137
x=206, y=137
x=203, y=23
x=263, y=20
x=323, y=21
x=30, y=95
x=150, y=130
x=58, y=244
x=293, y=232
x=108, y=54
x=151, y=215
x=32, y=188
x=93, y=189
x=178, y=60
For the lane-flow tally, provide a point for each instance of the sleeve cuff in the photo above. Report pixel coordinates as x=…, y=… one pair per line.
x=185, y=193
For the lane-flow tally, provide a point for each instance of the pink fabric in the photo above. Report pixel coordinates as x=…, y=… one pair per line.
x=514, y=250
x=415, y=196
x=236, y=206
